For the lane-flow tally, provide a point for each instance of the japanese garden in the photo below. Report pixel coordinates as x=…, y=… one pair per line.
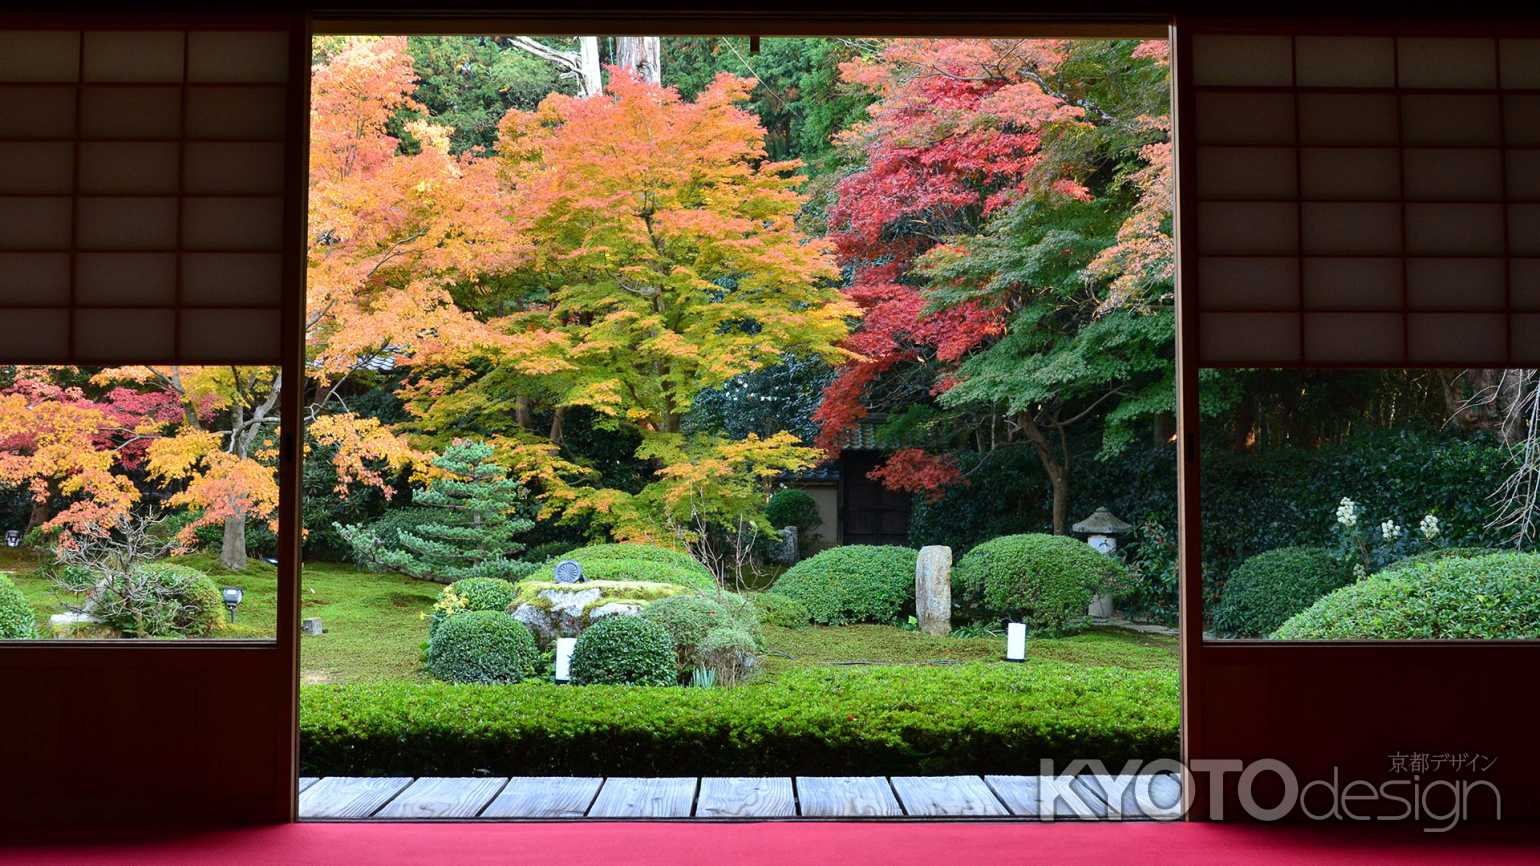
x=687, y=405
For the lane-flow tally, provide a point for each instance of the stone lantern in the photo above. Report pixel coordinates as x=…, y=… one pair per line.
x=1102, y=529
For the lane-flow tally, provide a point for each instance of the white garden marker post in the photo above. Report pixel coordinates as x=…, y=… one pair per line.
x=564, y=646
x=1103, y=529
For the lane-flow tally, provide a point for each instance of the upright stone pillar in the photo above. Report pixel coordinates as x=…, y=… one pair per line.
x=933, y=589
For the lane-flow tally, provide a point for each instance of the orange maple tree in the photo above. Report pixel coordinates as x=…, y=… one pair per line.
x=390, y=231
x=664, y=247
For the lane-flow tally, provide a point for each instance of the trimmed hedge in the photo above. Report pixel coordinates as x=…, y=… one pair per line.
x=781, y=610
x=1045, y=580
x=482, y=646
x=624, y=650
x=854, y=583
x=17, y=620
x=1271, y=587
x=1490, y=597
x=970, y=718
x=637, y=562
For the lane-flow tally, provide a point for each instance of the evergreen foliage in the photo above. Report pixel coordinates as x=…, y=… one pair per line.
x=854, y=583
x=1271, y=587
x=1046, y=581
x=624, y=650
x=470, y=517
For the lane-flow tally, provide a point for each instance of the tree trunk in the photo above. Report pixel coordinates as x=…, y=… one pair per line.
x=1056, y=467
x=38, y=517
x=642, y=56
x=588, y=66
x=233, y=553
x=521, y=413
x=558, y=420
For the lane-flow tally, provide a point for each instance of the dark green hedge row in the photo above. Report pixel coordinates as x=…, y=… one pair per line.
x=970, y=718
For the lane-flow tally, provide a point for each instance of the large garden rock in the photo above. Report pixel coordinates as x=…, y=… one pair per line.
x=552, y=610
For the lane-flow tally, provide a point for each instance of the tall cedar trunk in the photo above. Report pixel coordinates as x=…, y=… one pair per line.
x=589, y=77
x=233, y=553
x=521, y=412
x=1055, y=466
x=641, y=55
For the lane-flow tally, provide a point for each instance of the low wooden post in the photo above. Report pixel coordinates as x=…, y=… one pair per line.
x=933, y=589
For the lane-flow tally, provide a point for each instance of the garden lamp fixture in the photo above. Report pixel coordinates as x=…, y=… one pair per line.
x=13, y=538
x=232, y=596
x=564, y=646
x=1015, y=641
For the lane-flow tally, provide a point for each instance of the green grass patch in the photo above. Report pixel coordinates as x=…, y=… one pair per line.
x=850, y=645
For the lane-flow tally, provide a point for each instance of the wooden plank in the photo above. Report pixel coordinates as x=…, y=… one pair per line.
x=1034, y=795
x=745, y=797
x=544, y=797
x=349, y=796
x=1155, y=796
x=946, y=796
x=625, y=797
x=847, y=797
x=307, y=781
x=443, y=797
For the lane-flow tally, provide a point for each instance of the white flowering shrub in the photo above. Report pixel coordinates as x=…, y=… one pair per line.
x=1369, y=550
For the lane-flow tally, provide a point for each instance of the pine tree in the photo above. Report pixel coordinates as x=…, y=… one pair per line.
x=471, y=515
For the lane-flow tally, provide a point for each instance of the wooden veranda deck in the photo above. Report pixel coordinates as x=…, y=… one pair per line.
x=775, y=798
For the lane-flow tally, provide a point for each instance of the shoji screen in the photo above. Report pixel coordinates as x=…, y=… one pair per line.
x=142, y=195
x=1364, y=199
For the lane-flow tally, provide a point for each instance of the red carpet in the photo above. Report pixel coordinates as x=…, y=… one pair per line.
x=810, y=843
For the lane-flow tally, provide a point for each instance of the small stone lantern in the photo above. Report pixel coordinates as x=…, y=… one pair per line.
x=1102, y=529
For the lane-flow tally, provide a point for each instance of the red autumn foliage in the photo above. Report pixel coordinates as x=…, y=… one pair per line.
x=912, y=470
x=954, y=136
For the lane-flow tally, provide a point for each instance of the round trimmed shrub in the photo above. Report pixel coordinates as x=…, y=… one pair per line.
x=1271, y=587
x=644, y=552
x=1493, y=597
x=482, y=646
x=1436, y=555
x=854, y=583
x=793, y=508
x=744, y=613
x=1046, y=581
x=780, y=610
x=480, y=593
x=484, y=593
x=17, y=621
x=642, y=562
x=729, y=653
x=196, y=607
x=689, y=618
x=624, y=651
